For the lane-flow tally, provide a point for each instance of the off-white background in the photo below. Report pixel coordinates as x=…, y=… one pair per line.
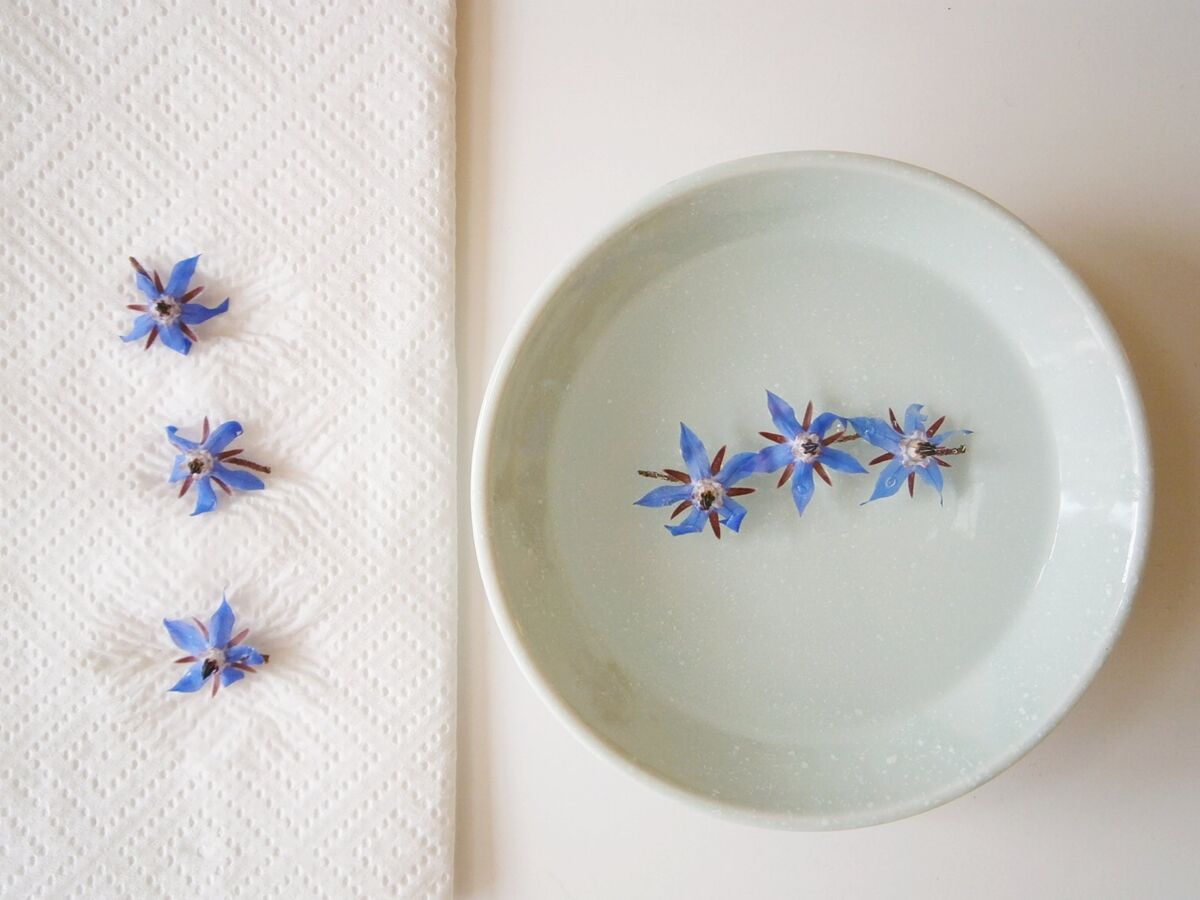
x=1083, y=119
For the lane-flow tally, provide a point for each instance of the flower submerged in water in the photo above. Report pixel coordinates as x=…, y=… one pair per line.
x=912, y=450
x=708, y=488
x=802, y=448
x=208, y=461
x=214, y=651
x=170, y=312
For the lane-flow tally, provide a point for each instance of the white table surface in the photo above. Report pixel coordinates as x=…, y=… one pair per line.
x=1083, y=119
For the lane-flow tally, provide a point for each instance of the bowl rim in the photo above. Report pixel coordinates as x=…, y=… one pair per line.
x=533, y=313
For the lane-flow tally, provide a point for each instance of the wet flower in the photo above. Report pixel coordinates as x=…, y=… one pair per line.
x=707, y=488
x=804, y=447
x=214, y=651
x=912, y=450
x=169, y=311
x=208, y=462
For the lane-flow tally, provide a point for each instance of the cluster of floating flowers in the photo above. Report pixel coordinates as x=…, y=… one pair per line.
x=802, y=448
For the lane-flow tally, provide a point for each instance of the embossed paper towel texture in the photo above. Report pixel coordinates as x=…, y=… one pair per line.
x=306, y=149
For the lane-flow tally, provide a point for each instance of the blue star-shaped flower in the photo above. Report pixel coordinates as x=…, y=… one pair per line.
x=208, y=461
x=913, y=450
x=803, y=448
x=213, y=650
x=170, y=311
x=707, y=488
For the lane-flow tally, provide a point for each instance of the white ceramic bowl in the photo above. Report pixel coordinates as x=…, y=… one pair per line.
x=861, y=663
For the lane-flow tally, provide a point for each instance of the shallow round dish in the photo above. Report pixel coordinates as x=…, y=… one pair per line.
x=861, y=663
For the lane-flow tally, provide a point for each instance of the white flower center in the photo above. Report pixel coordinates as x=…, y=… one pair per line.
x=197, y=462
x=165, y=309
x=916, y=450
x=707, y=493
x=806, y=447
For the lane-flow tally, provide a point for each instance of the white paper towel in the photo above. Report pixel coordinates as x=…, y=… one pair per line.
x=306, y=150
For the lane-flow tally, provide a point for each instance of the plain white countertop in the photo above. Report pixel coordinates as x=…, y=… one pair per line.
x=1081, y=118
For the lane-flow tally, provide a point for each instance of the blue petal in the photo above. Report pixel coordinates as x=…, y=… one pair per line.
x=938, y=439
x=244, y=653
x=141, y=327
x=193, y=679
x=889, y=481
x=802, y=486
x=822, y=422
x=783, y=415
x=206, y=497
x=694, y=454
x=146, y=286
x=841, y=461
x=693, y=523
x=173, y=337
x=181, y=442
x=186, y=636
x=178, y=471
x=666, y=495
x=193, y=313
x=229, y=675
x=931, y=475
x=245, y=481
x=733, y=513
x=774, y=457
x=180, y=276
x=740, y=466
x=222, y=436
x=913, y=418
x=220, y=626
x=877, y=432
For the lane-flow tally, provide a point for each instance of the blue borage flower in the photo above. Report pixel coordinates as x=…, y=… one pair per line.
x=214, y=651
x=803, y=447
x=913, y=450
x=208, y=461
x=170, y=311
x=708, y=488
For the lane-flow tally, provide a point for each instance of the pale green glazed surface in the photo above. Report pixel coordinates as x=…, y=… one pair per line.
x=861, y=663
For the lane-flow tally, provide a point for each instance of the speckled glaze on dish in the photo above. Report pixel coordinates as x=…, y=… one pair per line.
x=863, y=663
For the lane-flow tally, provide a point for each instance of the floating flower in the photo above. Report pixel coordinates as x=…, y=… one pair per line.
x=913, y=450
x=214, y=651
x=803, y=448
x=708, y=488
x=208, y=461
x=170, y=311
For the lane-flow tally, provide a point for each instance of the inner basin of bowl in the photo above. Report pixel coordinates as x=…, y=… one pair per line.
x=860, y=661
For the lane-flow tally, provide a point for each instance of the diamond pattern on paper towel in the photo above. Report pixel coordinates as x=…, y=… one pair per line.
x=306, y=149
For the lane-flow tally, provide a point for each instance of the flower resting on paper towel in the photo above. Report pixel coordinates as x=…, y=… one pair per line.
x=803, y=448
x=913, y=450
x=214, y=651
x=708, y=488
x=206, y=462
x=170, y=312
